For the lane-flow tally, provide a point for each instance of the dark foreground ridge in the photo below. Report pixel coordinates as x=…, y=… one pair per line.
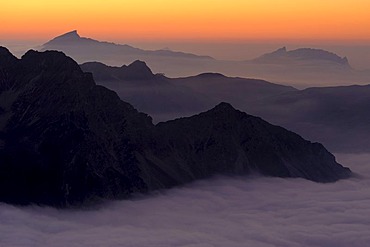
x=66, y=141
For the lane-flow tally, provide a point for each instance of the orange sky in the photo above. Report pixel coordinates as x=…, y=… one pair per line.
x=187, y=19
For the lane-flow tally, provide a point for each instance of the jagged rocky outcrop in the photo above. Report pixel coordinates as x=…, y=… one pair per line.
x=65, y=140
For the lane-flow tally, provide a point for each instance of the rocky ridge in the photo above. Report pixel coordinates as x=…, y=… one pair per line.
x=66, y=141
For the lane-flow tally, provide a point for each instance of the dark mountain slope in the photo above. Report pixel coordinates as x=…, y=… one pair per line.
x=227, y=141
x=64, y=140
x=64, y=137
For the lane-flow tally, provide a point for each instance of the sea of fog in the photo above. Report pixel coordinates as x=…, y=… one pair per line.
x=223, y=212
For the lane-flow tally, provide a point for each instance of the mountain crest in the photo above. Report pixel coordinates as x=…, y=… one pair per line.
x=70, y=35
x=138, y=70
x=50, y=60
x=224, y=112
x=67, y=37
x=280, y=51
x=6, y=57
x=302, y=54
x=139, y=65
x=223, y=106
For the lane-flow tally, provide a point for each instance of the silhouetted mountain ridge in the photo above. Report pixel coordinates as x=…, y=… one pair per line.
x=138, y=70
x=335, y=116
x=167, y=98
x=302, y=67
x=64, y=140
x=302, y=54
x=72, y=42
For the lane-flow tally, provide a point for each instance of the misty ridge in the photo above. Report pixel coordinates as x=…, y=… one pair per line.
x=334, y=116
x=89, y=145
x=301, y=68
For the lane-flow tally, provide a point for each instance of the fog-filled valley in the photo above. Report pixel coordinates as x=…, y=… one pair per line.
x=239, y=211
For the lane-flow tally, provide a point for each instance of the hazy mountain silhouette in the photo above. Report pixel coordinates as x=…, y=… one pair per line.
x=151, y=93
x=335, y=116
x=85, y=49
x=72, y=39
x=65, y=140
x=307, y=55
x=301, y=67
x=167, y=98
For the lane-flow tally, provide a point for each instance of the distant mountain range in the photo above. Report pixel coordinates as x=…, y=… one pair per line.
x=305, y=55
x=301, y=67
x=335, y=116
x=66, y=141
x=73, y=40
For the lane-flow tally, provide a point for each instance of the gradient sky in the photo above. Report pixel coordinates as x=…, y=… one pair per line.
x=188, y=19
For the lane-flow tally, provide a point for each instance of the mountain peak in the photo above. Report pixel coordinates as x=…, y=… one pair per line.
x=4, y=51
x=6, y=57
x=302, y=54
x=50, y=60
x=317, y=54
x=281, y=50
x=138, y=70
x=139, y=64
x=69, y=35
x=223, y=107
x=65, y=38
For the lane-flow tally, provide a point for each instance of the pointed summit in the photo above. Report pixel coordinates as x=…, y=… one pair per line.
x=70, y=35
x=224, y=111
x=281, y=50
x=224, y=106
x=138, y=70
x=67, y=37
x=139, y=65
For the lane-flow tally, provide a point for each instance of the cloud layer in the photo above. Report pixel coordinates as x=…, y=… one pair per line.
x=256, y=212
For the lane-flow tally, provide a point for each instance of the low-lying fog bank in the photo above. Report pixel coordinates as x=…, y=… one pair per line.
x=218, y=212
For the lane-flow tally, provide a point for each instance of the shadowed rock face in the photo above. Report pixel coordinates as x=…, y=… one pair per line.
x=227, y=141
x=64, y=140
